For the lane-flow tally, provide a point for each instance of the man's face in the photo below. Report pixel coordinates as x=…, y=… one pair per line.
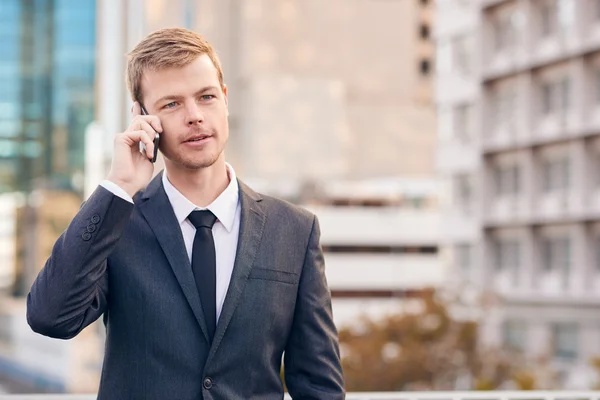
x=192, y=108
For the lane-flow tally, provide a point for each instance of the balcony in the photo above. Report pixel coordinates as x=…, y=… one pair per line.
x=474, y=395
x=378, y=225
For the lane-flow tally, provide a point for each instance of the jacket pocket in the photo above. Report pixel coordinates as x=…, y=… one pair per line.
x=274, y=275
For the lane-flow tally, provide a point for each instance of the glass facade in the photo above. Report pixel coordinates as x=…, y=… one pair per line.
x=47, y=73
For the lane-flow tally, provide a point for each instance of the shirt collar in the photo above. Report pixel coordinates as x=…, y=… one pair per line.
x=223, y=207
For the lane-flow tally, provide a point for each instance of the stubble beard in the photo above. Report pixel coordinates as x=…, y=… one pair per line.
x=191, y=163
x=197, y=160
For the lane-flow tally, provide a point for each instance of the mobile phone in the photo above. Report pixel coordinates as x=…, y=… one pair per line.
x=156, y=141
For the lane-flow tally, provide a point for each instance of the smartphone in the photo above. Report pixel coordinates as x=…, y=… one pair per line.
x=156, y=141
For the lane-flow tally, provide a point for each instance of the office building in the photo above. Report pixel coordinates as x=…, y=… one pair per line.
x=518, y=95
x=47, y=100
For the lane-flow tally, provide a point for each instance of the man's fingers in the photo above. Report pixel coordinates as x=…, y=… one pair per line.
x=145, y=126
x=134, y=137
x=146, y=122
x=155, y=122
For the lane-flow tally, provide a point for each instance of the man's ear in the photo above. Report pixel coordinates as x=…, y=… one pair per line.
x=224, y=88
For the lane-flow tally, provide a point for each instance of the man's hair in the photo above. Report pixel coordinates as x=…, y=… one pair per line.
x=166, y=48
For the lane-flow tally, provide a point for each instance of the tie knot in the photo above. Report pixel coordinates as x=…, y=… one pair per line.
x=202, y=218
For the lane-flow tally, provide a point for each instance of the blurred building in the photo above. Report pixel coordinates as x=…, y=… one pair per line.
x=41, y=364
x=8, y=239
x=47, y=99
x=47, y=75
x=318, y=90
x=519, y=148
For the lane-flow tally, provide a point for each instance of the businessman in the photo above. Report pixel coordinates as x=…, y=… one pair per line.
x=205, y=286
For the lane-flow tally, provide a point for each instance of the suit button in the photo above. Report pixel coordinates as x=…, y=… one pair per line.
x=207, y=383
x=91, y=228
x=95, y=219
x=86, y=236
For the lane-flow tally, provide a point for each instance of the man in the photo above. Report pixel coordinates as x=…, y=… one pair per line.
x=204, y=284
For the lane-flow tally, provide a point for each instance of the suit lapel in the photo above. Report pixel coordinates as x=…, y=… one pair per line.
x=157, y=210
x=252, y=223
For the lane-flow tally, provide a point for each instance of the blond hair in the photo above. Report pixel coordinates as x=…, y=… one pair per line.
x=165, y=48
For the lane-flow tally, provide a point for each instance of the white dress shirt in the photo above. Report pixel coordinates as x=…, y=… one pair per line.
x=225, y=230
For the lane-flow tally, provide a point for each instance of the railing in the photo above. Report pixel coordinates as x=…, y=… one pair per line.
x=474, y=395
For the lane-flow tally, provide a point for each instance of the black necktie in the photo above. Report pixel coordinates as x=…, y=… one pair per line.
x=204, y=264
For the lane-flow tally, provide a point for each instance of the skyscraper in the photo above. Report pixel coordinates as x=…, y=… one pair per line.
x=47, y=76
x=47, y=69
x=47, y=99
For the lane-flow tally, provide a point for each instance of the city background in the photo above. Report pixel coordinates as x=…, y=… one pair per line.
x=450, y=148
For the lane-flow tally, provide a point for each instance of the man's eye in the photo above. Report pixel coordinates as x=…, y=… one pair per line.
x=171, y=104
x=208, y=97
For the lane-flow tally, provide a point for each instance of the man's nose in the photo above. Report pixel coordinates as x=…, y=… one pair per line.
x=193, y=114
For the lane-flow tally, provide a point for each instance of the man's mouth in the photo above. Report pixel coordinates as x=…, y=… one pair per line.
x=198, y=138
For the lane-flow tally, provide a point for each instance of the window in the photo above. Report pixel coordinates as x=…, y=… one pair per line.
x=499, y=35
x=565, y=94
x=547, y=96
x=505, y=29
x=461, y=56
x=507, y=180
x=598, y=254
x=507, y=255
x=515, y=334
x=598, y=84
x=464, y=259
x=548, y=17
x=463, y=194
x=9, y=148
x=556, y=96
x=565, y=341
x=556, y=175
x=503, y=107
x=557, y=254
x=462, y=122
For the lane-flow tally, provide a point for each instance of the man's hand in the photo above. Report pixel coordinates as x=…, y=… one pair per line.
x=130, y=169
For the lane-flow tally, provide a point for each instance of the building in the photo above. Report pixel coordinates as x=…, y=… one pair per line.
x=518, y=94
x=47, y=76
x=309, y=89
x=8, y=240
x=47, y=99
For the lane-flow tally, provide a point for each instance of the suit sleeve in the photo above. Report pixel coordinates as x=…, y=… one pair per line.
x=312, y=358
x=71, y=290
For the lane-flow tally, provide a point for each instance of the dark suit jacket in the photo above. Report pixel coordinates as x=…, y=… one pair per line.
x=129, y=263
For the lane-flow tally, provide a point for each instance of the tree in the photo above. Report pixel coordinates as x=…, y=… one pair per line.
x=427, y=349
